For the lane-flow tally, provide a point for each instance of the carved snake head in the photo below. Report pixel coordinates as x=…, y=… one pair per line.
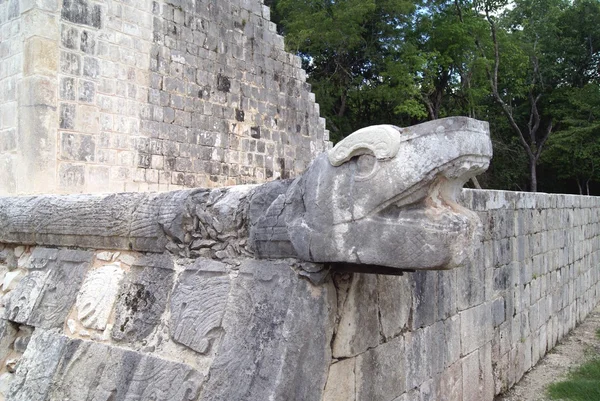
x=387, y=196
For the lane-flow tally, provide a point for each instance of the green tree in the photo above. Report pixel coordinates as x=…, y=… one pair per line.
x=345, y=46
x=522, y=41
x=574, y=152
x=447, y=75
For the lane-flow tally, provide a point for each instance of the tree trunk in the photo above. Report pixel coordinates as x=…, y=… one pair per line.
x=533, y=175
x=587, y=187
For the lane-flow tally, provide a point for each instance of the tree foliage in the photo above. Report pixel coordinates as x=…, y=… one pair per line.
x=529, y=67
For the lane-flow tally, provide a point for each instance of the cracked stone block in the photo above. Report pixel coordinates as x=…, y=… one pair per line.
x=60, y=289
x=91, y=371
x=8, y=334
x=198, y=304
x=341, y=382
x=267, y=304
x=358, y=329
x=34, y=376
x=23, y=298
x=45, y=295
x=395, y=301
x=141, y=303
x=380, y=372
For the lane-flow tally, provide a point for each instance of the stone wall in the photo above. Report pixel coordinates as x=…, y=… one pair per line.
x=150, y=96
x=11, y=60
x=471, y=333
x=186, y=312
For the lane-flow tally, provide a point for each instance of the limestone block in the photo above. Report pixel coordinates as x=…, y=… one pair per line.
x=77, y=147
x=471, y=377
x=8, y=334
x=91, y=371
x=425, y=299
x=98, y=294
x=39, y=22
x=37, y=125
x=380, y=372
x=451, y=383
x=198, y=304
x=33, y=378
x=60, y=289
x=418, y=357
x=452, y=340
x=41, y=57
x=395, y=301
x=23, y=298
x=476, y=327
x=358, y=329
x=470, y=285
x=275, y=326
x=38, y=91
x=119, y=221
x=170, y=381
x=42, y=258
x=341, y=381
x=87, y=119
x=141, y=302
x=387, y=196
x=71, y=177
x=82, y=12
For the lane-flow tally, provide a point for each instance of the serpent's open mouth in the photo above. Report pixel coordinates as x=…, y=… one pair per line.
x=434, y=200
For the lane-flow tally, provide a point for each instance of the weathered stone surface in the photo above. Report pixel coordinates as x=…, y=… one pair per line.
x=269, y=235
x=126, y=221
x=33, y=378
x=180, y=221
x=60, y=289
x=42, y=258
x=174, y=97
x=380, y=372
x=90, y=371
x=358, y=329
x=476, y=327
x=268, y=304
x=8, y=334
x=341, y=381
x=98, y=295
x=23, y=298
x=82, y=12
x=141, y=303
x=198, y=304
x=395, y=301
x=44, y=296
x=385, y=196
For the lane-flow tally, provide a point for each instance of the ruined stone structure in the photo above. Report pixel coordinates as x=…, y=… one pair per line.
x=384, y=196
x=160, y=296
x=289, y=290
x=149, y=95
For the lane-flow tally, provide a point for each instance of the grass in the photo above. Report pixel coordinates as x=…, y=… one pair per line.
x=582, y=384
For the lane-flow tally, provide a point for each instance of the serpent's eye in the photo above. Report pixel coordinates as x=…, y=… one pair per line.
x=365, y=165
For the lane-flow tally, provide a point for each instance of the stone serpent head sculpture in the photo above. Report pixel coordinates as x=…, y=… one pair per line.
x=383, y=196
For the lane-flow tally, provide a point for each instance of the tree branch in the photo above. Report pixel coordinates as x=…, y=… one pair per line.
x=543, y=141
